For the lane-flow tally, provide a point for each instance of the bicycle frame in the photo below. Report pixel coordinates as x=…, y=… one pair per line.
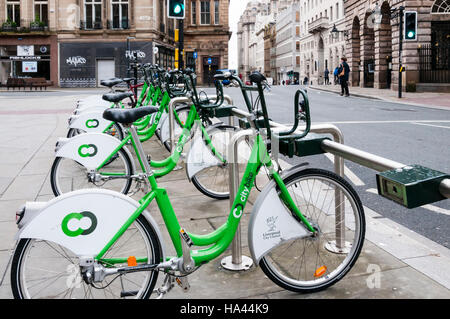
x=170, y=162
x=221, y=238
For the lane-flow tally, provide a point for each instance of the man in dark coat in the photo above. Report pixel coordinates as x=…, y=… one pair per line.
x=344, y=71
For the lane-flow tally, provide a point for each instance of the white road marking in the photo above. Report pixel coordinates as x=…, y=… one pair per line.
x=428, y=206
x=440, y=126
x=351, y=176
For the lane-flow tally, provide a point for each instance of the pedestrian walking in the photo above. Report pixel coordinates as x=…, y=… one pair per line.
x=336, y=75
x=344, y=71
x=284, y=82
x=326, y=74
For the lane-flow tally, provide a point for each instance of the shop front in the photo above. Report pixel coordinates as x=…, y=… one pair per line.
x=86, y=64
x=28, y=58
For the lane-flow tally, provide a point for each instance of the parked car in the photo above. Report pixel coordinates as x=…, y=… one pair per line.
x=226, y=82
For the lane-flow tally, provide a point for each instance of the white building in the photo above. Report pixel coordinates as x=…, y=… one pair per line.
x=288, y=44
x=320, y=48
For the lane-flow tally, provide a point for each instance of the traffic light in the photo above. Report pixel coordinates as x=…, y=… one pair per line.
x=410, y=25
x=175, y=9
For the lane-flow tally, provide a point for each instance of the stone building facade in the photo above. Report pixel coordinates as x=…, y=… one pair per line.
x=206, y=32
x=373, y=46
x=320, y=48
x=253, y=21
x=288, y=44
x=78, y=42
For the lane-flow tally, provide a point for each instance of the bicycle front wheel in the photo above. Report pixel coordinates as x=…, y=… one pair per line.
x=334, y=209
x=43, y=269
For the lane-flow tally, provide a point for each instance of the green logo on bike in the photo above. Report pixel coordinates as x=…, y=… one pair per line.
x=80, y=230
x=87, y=150
x=92, y=123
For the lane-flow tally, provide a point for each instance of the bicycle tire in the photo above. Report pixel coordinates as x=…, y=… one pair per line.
x=280, y=274
x=201, y=184
x=22, y=256
x=55, y=183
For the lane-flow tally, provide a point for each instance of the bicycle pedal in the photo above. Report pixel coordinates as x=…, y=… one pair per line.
x=183, y=283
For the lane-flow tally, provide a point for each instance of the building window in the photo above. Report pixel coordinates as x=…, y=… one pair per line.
x=41, y=10
x=119, y=14
x=337, y=10
x=441, y=6
x=216, y=12
x=194, y=12
x=13, y=12
x=205, y=12
x=93, y=14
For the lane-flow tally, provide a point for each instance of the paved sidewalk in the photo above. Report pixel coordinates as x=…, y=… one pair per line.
x=437, y=100
x=394, y=263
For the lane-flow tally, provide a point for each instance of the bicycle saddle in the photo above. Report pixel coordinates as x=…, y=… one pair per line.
x=111, y=82
x=116, y=97
x=222, y=76
x=257, y=77
x=128, y=80
x=126, y=116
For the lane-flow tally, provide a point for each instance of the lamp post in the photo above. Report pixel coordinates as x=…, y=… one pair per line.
x=335, y=32
x=393, y=14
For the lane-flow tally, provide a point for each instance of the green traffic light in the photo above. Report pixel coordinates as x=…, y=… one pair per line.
x=177, y=9
x=411, y=34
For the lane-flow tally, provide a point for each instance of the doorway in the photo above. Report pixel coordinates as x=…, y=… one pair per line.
x=105, y=70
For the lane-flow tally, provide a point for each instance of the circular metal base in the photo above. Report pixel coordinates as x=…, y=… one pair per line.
x=332, y=247
x=246, y=263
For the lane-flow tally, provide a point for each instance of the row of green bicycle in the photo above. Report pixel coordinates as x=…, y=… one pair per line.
x=93, y=240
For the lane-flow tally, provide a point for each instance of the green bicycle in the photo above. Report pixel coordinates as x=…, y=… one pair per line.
x=99, y=160
x=306, y=231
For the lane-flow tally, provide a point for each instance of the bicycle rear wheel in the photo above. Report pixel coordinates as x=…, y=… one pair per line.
x=68, y=175
x=43, y=269
x=214, y=181
x=334, y=209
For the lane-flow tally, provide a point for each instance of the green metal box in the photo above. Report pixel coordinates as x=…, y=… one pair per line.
x=411, y=186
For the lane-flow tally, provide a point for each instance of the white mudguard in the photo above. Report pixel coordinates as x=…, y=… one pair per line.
x=199, y=157
x=271, y=224
x=91, y=108
x=90, y=149
x=82, y=221
x=165, y=128
x=91, y=122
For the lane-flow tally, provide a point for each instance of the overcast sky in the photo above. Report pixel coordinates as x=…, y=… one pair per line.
x=236, y=9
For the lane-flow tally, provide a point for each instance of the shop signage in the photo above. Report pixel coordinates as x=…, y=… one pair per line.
x=135, y=53
x=22, y=58
x=29, y=66
x=25, y=50
x=75, y=60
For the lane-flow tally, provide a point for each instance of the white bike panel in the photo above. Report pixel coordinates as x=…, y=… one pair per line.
x=111, y=211
x=92, y=121
x=104, y=143
x=199, y=157
x=165, y=129
x=91, y=108
x=271, y=224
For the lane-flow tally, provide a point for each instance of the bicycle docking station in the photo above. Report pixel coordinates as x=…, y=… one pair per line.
x=408, y=187
x=411, y=186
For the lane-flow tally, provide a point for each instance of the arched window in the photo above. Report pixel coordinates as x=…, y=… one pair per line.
x=441, y=6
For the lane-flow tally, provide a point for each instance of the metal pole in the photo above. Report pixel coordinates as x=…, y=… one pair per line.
x=236, y=261
x=400, y=48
